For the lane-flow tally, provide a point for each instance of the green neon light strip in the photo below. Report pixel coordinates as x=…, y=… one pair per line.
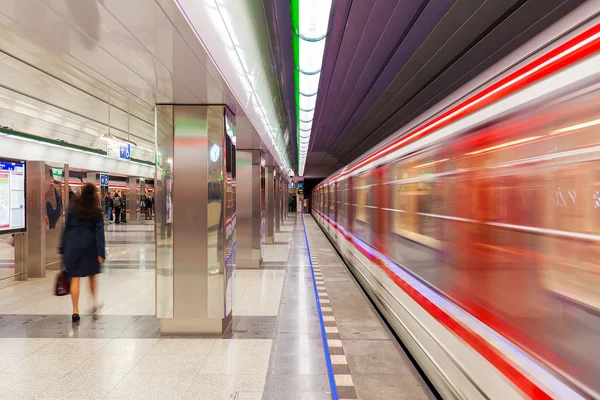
x=295, y=10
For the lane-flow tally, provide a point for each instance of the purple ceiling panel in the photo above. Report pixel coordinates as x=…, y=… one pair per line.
x=358, y=19
x=428, y=19
x=385, y=32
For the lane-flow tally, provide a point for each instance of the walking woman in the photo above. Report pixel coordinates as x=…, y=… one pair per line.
x=83, y=244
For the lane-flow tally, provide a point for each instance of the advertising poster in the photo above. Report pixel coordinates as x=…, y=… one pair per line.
x=12, y=195
x=52, y=199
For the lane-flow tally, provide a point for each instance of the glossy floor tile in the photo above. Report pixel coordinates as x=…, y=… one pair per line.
x=273, y=350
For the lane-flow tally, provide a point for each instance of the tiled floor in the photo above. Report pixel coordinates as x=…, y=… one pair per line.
x=379, y=369
x=273, y=351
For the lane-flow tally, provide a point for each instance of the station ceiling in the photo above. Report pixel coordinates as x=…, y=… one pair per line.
x=387, y=61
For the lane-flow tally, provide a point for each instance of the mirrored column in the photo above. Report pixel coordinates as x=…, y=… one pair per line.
x=277, y=184
x=250, y=167
x=269, y=204
x=195, y=218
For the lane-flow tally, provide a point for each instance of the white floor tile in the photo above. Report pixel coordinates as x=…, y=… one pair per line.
x=213, y=386
x=177, y=363
x=75, y=346
x=152, y=386
x=7, y=360
x=53, y=363
x=26, y=384
x=184, y=346
x=89, y=386
x=23, y=345
x=136, y=346
x=109, y=363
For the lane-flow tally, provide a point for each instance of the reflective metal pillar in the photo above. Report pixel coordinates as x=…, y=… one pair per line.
x=132, y=199
x=277, y=185
x=250, y=217
x=286, y=199
x=66, y=189
x=269, y=204
x=36, y=226
x=195, y=201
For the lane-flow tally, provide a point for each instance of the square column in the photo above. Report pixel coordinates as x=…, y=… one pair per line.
x=195, y=200
x=269, y=204
x=250, y=208
x=277, y=184
x=35, y=178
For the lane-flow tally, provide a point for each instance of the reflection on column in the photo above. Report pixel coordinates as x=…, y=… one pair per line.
x=163, y=191
x=269, y=204
x=250, y=208
x=195, y=266
x=277, y=200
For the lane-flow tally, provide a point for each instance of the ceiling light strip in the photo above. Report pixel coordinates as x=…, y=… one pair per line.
x=310, y=25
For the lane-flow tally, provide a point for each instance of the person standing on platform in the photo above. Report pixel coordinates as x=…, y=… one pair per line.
x=123, y=208
x=148, y=207
x=83, y=245
x=118, y=207
x=109, y=204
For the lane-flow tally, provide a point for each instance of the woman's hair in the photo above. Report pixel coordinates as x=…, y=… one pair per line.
x=88, y=205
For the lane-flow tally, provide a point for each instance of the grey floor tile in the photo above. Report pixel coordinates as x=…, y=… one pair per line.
x=298, y=364
x=297, y=383
x=271, y=395
x=377, y=387
x=375, y=357
x=362, y=329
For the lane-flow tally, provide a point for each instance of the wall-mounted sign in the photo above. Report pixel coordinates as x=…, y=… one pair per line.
x=57, y=174
x=104, y=180
x=118, y=149
x=291, y=184
x=300, y=185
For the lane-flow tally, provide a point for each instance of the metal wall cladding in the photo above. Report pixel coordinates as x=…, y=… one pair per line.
x=195, y=207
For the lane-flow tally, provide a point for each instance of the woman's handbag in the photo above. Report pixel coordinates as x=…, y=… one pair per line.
x=63, y=284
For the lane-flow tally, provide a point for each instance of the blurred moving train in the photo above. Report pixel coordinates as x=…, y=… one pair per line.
x=477, y=231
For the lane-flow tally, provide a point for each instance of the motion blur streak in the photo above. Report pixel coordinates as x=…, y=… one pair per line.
x=500, y=219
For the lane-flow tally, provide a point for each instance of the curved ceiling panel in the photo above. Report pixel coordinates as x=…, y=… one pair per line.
x=388, y=61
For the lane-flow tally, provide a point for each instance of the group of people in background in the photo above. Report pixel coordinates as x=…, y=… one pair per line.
x=117, y=203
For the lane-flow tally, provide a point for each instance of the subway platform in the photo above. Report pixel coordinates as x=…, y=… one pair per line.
x=302, y=329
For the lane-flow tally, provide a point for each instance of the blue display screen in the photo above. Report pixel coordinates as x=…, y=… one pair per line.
x=12, y=166
x=12, y=196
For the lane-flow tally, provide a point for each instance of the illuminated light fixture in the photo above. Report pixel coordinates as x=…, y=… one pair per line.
x=215, y=152
x=310, y=24
x=503, y=145
x=576, y=127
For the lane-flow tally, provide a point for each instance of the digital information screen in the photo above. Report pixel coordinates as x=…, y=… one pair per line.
x=12, y=196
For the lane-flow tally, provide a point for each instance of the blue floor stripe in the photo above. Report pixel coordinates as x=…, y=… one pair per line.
x=334, y=395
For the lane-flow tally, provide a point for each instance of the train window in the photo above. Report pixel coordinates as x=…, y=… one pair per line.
x=365, y=204
x=342, y=202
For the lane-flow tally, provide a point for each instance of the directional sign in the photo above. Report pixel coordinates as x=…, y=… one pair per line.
x=104, y=180
x=118, y=149
x=125, y=151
